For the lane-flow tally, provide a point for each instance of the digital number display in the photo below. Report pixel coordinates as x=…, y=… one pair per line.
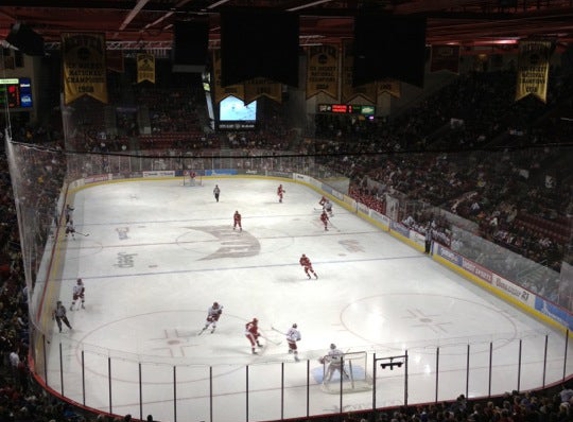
x=366, y=110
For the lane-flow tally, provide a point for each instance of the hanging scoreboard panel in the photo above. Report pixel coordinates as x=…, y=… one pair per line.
x=16, y=93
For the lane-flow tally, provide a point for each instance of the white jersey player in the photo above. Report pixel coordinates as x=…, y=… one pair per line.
x=213, y=315
x=327, y=207
x=78, y=293
x=335, y=360
x=292, y=336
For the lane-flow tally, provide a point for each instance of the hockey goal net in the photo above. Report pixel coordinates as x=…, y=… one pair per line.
x=191, y=178
x=355, y=375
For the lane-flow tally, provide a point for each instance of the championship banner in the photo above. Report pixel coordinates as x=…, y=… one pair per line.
x=367, y=91
x=445, y=57
x=145, y=68
x=222, y=92
x=114, y=61
x=262, y=87
x=533, y=69
x=322, y=71
x=84, y=69
x=390, y=86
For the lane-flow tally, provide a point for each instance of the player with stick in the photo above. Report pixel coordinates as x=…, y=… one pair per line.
x=70, y=230
x=325, y=220
x=213, y=315
x=281, y=192
x=237, y=221
x=78, y=293
x=292, y=336
x=304, y=261
x=252, y=334
x=335, y=360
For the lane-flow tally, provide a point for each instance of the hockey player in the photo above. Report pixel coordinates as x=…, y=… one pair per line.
x=68, y=213
x=59, y=314
x=327, y=207
x=70, y=230
x=213, y=314
x=324, y=218
x=292, y=336
x=237, y=221
x=281, y=192
x=252, y=334
x=335, y=360
x=78, y=293
x=304, y=261
x=216, y=192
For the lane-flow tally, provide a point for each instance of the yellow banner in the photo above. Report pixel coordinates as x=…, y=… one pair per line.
x=322, y=73
x=349, y=92
x=84, y=69
x=145, y=68
x=262, y=87
x=533, y=69
x=222, y=92
x=391, y=86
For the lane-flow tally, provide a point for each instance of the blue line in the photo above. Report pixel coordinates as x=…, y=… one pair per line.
x=248, y=267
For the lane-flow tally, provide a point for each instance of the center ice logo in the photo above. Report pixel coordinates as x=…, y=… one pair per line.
x=125, y=260
x=231, y=244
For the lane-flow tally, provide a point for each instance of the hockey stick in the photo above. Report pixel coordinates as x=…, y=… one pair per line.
x=276, y=343
x=83, y=234
x=278, y=331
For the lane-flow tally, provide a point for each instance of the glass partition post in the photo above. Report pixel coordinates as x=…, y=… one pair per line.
x=468, y=370
x=519, y=366
x=490, y=367
x=437, y=373
x=545, y=358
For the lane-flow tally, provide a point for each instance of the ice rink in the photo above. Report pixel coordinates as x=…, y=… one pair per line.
x=158, y=254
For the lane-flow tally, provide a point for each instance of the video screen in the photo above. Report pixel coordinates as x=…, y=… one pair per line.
x=231, y=109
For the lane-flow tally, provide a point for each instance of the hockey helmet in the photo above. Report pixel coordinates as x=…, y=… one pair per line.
x=332, y=346
x=79, y=281
x=294, y=325
x=215, y=304
x=255, y=320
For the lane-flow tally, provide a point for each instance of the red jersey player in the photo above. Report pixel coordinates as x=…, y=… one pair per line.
x=281, y=192
x=237, y=221
x=252, y=334
x=307, y=265
x=324, y=218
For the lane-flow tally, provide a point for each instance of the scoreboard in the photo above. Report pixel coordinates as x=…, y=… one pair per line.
x=15, y=93
x=365, y=110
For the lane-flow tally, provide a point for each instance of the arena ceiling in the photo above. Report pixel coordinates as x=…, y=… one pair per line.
x=148, y=24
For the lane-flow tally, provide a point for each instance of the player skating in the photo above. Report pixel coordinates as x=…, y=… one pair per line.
x=324, y=218
x=68, y=213
x=292, y=336
x=281, y=192
x=252, y=334
x=304, y=261
x=327, y=207
x=78, y=293
x=70, y=230
x=213, y=314
x=216, y=192
x=335, y=360
x=59, y=314
x=237, y=221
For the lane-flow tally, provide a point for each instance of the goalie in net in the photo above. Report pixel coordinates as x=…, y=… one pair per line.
x=351, y=367
x=191, y=178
